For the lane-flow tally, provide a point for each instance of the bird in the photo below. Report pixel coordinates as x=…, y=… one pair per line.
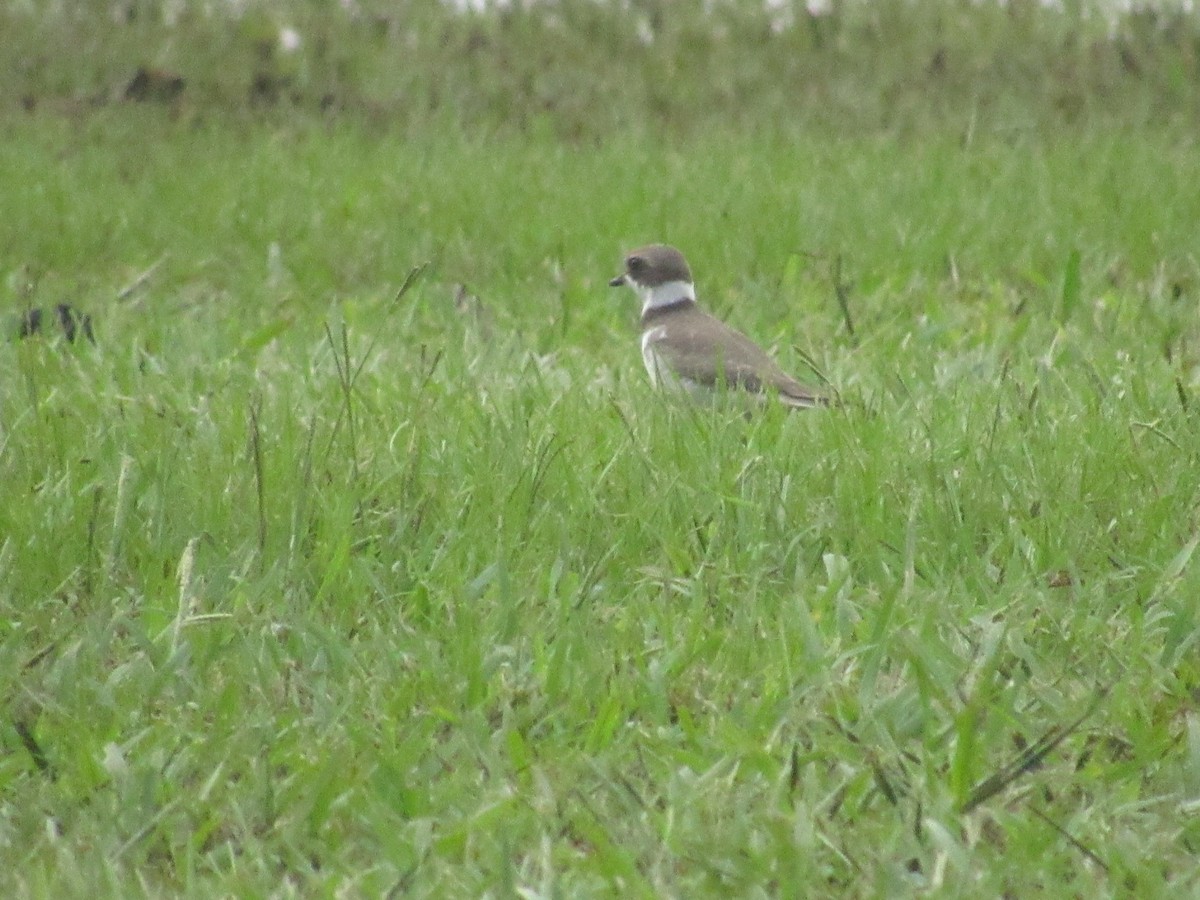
x=686, y=349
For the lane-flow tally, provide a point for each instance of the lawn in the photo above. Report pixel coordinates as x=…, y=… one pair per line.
x=358, y=556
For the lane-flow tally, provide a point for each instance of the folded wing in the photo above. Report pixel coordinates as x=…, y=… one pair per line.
x=740, y=362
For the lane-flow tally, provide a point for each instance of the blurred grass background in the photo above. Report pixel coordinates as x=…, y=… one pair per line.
x=583, y=69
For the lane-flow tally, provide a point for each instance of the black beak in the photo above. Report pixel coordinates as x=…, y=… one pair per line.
x=617, y=282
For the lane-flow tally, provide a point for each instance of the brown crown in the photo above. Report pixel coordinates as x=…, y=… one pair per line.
x=657, y=264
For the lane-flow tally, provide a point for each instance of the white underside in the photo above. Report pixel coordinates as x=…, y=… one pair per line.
x=654, y=363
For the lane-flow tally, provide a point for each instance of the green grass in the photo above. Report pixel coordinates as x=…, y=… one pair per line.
x=307, y=587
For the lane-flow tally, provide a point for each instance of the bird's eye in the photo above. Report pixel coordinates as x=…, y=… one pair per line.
x=635, y=263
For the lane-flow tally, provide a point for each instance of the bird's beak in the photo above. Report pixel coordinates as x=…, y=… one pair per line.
x=618, y=281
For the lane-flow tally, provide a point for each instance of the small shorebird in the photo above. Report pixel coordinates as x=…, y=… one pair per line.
x=685, y=348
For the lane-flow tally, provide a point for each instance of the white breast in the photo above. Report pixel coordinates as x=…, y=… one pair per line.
x=654, y=364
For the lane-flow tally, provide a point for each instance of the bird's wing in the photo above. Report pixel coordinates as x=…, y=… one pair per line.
x=740, y=362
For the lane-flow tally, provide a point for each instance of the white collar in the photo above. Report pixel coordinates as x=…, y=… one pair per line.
x=667, y=294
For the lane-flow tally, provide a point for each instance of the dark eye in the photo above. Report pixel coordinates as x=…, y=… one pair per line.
x=635, y=263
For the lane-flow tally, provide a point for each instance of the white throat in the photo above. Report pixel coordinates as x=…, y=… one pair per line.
x=665, y=294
